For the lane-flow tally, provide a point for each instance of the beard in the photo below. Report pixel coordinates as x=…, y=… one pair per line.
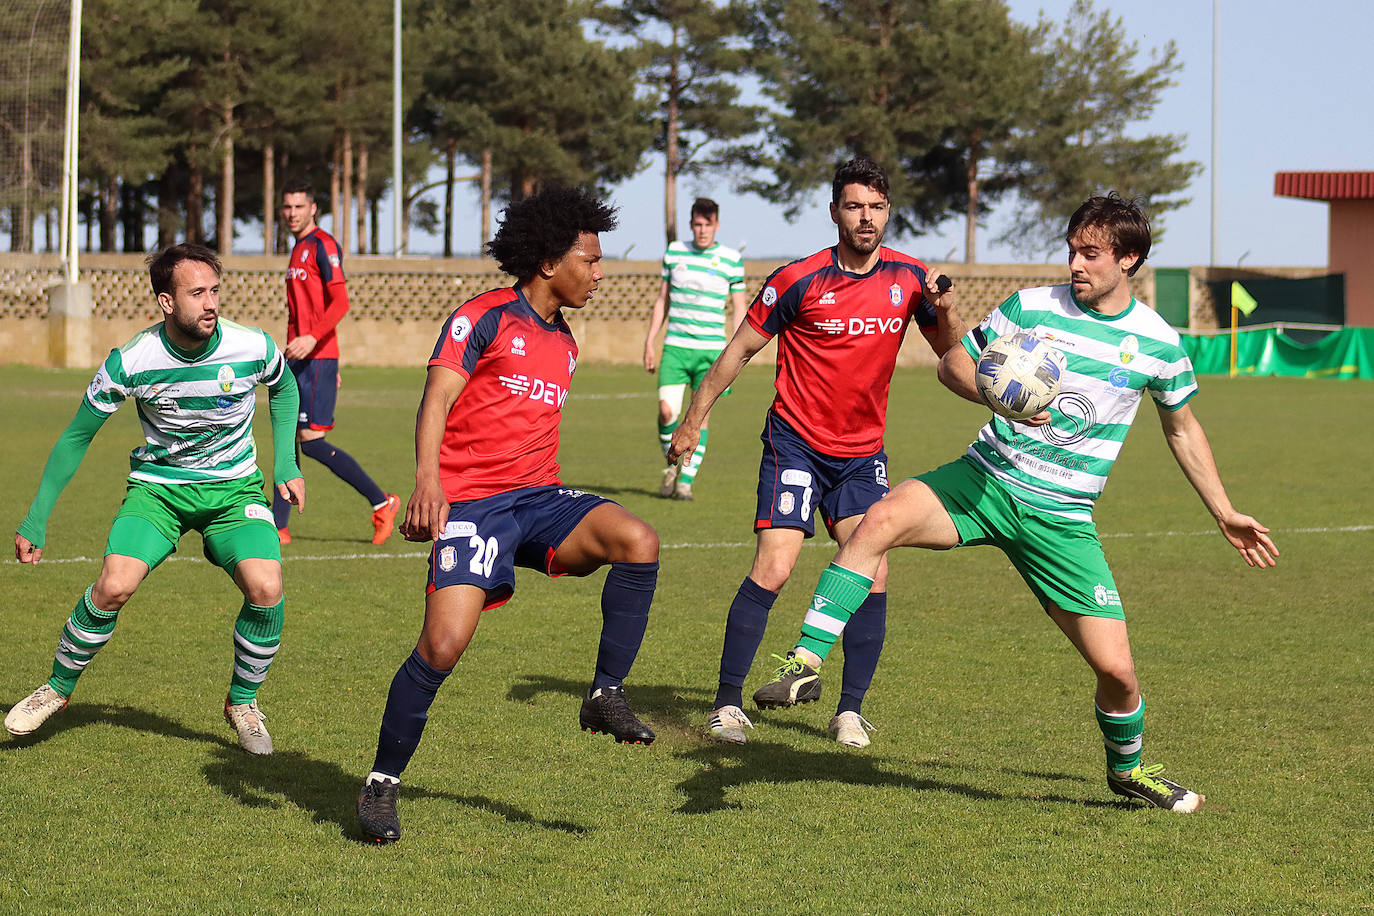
x=192, y=327
x=861, y=245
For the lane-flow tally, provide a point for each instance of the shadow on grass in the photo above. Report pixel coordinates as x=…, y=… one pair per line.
x=661, y=706
x=330, y=794
x=322, y=788
x=729, y=767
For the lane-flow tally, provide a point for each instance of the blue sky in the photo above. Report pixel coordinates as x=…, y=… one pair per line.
x=1295, y=82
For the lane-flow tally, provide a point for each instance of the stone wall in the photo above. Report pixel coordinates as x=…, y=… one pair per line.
x=398, y=304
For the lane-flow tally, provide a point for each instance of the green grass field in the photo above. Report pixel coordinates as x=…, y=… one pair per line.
x=982, y=791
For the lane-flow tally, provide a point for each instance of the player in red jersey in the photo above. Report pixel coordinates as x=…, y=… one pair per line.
x=487, y=490
x=840, y=317
x=316, y=299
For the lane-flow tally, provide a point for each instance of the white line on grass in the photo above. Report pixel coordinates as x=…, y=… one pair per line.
x=711, y=545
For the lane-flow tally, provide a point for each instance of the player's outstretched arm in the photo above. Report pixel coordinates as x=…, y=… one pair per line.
x=427, y=511
x=63, y=461
x=727, y=367
x=1193, y=452
x=657, y=315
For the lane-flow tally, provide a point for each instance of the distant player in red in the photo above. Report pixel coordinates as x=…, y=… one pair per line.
x=316, y=299
x=840, y=317
x=487, y=487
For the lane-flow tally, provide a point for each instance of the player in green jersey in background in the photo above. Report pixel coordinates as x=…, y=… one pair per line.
x=700, y=279
x=194, y=379
x=1028, y=487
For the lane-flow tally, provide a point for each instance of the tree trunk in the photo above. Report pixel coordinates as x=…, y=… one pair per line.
x=109, y=215
x=269, y=198
x=334, y=195
x=225, y=203
x=167, y=216
x=132, y=212
x=450, y=156
x=486, y=199
x=971, y=217
x=376, y=225
x=21, y=220
x=361, y=197
x=195, y=198
x=346, y=186
x=672, y=161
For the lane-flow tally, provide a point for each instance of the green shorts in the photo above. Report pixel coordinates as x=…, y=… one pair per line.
x=1060, y=559
x=231, y=515
x=685, y=366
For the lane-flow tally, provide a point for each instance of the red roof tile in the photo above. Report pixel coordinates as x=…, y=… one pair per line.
x=1325, y=185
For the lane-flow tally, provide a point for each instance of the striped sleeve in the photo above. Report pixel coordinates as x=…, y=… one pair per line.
x=109, y=388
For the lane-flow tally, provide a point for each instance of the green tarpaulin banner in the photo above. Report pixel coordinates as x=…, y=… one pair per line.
x=1268, y=351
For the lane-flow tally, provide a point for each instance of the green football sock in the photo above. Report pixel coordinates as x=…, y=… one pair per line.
x=693, y=462
x=1122, y=736
x=257, y=637
x=84, y=633
x=838, y=595
x=665, y=435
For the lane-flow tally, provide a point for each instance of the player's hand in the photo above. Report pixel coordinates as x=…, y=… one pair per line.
x=426, y=513
x=300, y=347
x=685, y=439
x=650, y=359
x=24, y=551
x=1250, y=538
x=1040, y=419
x=293, y=491
x=938, y=290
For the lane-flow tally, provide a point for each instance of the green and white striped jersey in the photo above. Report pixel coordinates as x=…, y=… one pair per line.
x=700, y=281
x=1062, y=467
x=196, y=411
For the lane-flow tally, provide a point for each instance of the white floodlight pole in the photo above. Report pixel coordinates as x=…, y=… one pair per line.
x=399, y=188
x=67, y=220
x=1216, y=108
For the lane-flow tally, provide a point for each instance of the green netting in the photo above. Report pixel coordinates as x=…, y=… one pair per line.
x=1269, y=351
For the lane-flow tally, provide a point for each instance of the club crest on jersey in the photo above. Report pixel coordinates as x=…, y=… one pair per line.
x=333, y=260
x=786, y=503
x=226, y=379
x=517, y=346
x=894, y=293
x=1130, y=349
x=770, y=295
x=460, y=329
x=572, y=365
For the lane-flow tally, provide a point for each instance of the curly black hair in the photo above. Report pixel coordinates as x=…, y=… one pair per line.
x=544, y=226
x=859, y=170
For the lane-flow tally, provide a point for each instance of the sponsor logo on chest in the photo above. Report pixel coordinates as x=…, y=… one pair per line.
x=861, y=327
x=536, y=389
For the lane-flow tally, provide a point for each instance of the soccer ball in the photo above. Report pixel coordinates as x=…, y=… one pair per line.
x=1018, y=375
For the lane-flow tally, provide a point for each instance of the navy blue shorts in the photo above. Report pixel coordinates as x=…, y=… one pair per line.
x=485, y=539
x=318, y=380
x=794, y=479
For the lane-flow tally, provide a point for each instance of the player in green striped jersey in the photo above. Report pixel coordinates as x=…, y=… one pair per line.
x=193, y=378
x=700, y=280
x=1028, y=487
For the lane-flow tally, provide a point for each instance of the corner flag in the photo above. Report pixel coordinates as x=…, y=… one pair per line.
x=1241, y=300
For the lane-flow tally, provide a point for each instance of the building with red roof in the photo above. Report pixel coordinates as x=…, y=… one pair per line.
x=1350, y=240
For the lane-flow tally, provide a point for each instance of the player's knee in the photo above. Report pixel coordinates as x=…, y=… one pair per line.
x=263, y=591
x=666, y=413
x=639, y=543
x=1117, y=678
x=771, y=573
x=112, y=591
x=317, y=448
x=440, y=648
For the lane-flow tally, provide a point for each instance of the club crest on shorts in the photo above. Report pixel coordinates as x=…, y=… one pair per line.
x=894, y=292
x=786, y=503
x=261, y=513
x=448, y=558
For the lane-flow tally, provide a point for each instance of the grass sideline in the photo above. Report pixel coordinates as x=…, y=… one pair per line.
x=983, y=789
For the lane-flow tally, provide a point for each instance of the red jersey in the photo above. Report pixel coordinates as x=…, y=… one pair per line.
x=315, y=295
x=502, y=433
x=838, y=337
